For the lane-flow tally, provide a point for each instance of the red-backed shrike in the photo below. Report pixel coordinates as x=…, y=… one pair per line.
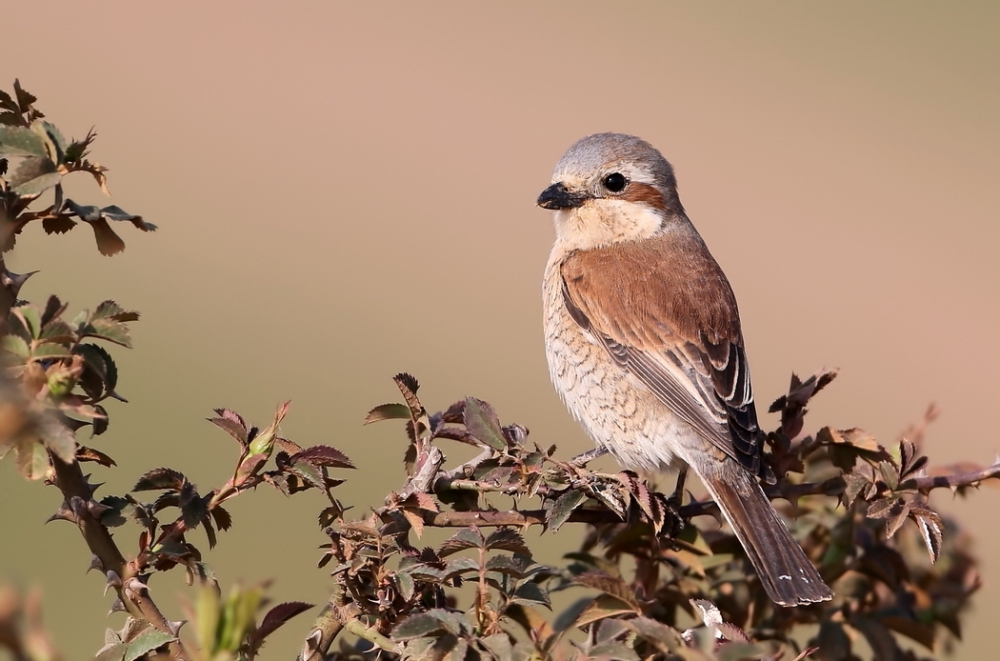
x=644, y=345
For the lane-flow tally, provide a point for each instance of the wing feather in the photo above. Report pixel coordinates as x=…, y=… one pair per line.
x=664, y=310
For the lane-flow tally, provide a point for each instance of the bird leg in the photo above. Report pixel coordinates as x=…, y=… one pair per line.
x=584, y=458
x=678, y=495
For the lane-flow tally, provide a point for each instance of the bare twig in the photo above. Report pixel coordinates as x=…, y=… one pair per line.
x=924, y=483
x=372, y=636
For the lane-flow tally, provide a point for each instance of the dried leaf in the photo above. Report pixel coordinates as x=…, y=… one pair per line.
x=416, y=521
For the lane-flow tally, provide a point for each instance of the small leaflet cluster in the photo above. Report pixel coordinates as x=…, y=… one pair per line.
x=34, y=157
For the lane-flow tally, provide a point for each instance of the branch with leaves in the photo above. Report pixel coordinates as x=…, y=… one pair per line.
x=656, y=575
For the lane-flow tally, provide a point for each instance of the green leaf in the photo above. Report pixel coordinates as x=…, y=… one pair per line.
x=416, y=626
x=110, y=310
x=53, y=138
x=34, y=175
x=482, y=422
x=388, y=412
x=57, y=330
x=207, y=619
x=507, y=539
x=59, y=439
x=460, y=565
x=20, y=141
x=108, y=329
x=15, y=345
x=466, y=538
x=506, y=564
x=307, y=473
x=531, y=593
x=32, y=460
x=499, y=646
x=50, y=350
x=146, y=642
x=405, y=585
x=100, y=373
x=115, y=652
x=28, y=314
x=563, y=508
x=613, y=650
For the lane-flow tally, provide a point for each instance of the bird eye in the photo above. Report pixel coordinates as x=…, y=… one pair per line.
x=615, y=182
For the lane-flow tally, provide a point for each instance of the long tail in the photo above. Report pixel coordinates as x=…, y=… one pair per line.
x=786, y=573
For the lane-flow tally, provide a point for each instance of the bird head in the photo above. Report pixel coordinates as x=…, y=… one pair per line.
x=608, y=188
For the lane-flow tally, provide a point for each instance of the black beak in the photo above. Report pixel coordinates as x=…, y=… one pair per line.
x=557, y=196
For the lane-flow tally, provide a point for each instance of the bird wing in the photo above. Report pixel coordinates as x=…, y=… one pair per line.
x=664, y=310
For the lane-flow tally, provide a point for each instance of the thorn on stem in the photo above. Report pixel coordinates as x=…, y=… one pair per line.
x=114, y=580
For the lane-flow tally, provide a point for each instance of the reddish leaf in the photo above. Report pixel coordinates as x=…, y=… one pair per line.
x=323, y=455
x=160, y=478
x=222, y=518
x=232, y=424
x=276, y=617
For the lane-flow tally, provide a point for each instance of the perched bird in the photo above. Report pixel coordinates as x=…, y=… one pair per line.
x=644, y=344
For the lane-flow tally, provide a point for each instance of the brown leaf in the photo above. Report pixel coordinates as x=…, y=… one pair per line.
x=855, y=483
x=416, y=521
x=276, y=617
x=83, y=453
x=108, y=243
x=160, y=478
x=896, y=517
x=609, y=585
x=880, y=508
x=232, y=423
x=930, y=526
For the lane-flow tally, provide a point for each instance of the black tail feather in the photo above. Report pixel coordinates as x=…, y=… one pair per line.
x=788, y=576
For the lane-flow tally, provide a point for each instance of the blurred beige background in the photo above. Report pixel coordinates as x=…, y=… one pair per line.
x=347, y=190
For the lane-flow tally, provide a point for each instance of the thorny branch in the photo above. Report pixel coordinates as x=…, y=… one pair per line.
x=80, y=507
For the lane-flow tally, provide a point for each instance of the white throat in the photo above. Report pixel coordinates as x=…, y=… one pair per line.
x=600, y=223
